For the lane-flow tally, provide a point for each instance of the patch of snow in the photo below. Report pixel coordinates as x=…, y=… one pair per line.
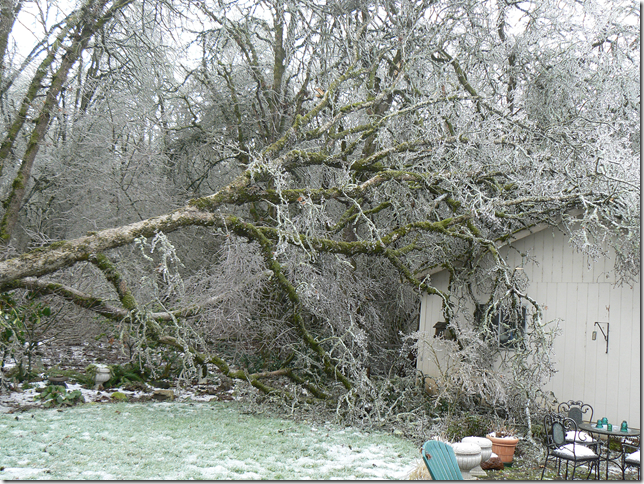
x=493, y=434
x=98, y=475
x=634, y=457
x=578, y=436
x=572, y=450
x=20, y=473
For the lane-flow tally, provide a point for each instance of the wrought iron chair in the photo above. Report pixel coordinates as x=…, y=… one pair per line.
x=577, y=410
x=630, y=459
x=557, y=448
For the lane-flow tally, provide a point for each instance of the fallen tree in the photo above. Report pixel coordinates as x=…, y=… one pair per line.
x=331, y=179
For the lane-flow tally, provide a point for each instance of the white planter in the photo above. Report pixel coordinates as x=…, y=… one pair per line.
x=102, y=375
x=468, y=456
x=486, y=452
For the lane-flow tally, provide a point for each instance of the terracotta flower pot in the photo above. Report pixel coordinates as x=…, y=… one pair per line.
x=504, y=447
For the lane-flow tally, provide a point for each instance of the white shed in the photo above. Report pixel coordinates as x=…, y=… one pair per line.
x=597, y=354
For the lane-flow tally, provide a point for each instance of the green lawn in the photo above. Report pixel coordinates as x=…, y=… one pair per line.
x=190, y=441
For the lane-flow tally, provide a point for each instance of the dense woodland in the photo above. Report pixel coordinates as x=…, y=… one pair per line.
x=261, y=188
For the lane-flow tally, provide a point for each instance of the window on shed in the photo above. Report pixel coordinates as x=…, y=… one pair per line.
x=506, y=326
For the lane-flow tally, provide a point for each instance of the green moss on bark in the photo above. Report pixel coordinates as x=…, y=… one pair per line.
x=114, y=277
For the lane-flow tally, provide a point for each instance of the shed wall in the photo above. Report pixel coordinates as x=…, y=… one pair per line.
x=579, y=292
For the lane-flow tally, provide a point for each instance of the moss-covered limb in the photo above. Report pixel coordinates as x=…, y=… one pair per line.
x=348, y=216
x=300, y=121
x=441, y=226
x=372, y=127
x=232, y=193
x=368, y=127
x=239, y=193
x=99, y=306
x=58, y=255
x=299, y=157
x=80, y=299
x=9, y=11
x=252, y=378
x=201, y=358
x=351, y=215
x=462, y=78
x=115, y=278
x=279, y=56
x=309, y=386
x=349, y=248
x=387, y=175
x=406, y=249
x=342, y=111
x=473, y=228
x=557, y=200
x=117, y=7
x=250, y=194
x=370, y=159
x=251, y=232
x=407, y=274
x=364, y=247
x=268, y=389
x=378, y=103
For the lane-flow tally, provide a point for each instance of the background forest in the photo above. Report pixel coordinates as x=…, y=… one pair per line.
x=261, y=188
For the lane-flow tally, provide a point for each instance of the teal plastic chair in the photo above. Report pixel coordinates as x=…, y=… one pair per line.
x=440, y=460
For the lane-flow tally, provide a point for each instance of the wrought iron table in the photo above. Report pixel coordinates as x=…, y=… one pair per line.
x=615, y=435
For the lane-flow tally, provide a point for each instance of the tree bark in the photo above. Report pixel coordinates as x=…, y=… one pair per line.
x=90, y=19
x=9, y=10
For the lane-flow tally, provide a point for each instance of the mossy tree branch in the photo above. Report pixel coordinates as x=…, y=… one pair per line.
x=253, y=233
x=111, y=273
x=252, y=378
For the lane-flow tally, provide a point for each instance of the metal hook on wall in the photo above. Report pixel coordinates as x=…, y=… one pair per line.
x=598, y=324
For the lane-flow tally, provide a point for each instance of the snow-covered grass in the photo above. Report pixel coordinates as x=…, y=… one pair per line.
x=190, y=440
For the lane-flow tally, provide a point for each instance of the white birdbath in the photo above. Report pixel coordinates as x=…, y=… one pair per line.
x=468, y=456
x=486, y=452
x=102, y=375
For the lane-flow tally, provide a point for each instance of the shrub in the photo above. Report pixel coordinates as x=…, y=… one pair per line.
x=22, y=328
x=124, y=375
x=467, y=425
x=55, y=395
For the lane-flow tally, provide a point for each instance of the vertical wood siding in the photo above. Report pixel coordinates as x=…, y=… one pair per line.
x=578, y=291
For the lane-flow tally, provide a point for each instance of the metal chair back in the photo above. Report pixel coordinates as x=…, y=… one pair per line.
x=576, y=415
x=576, y=410
x=558, y=434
